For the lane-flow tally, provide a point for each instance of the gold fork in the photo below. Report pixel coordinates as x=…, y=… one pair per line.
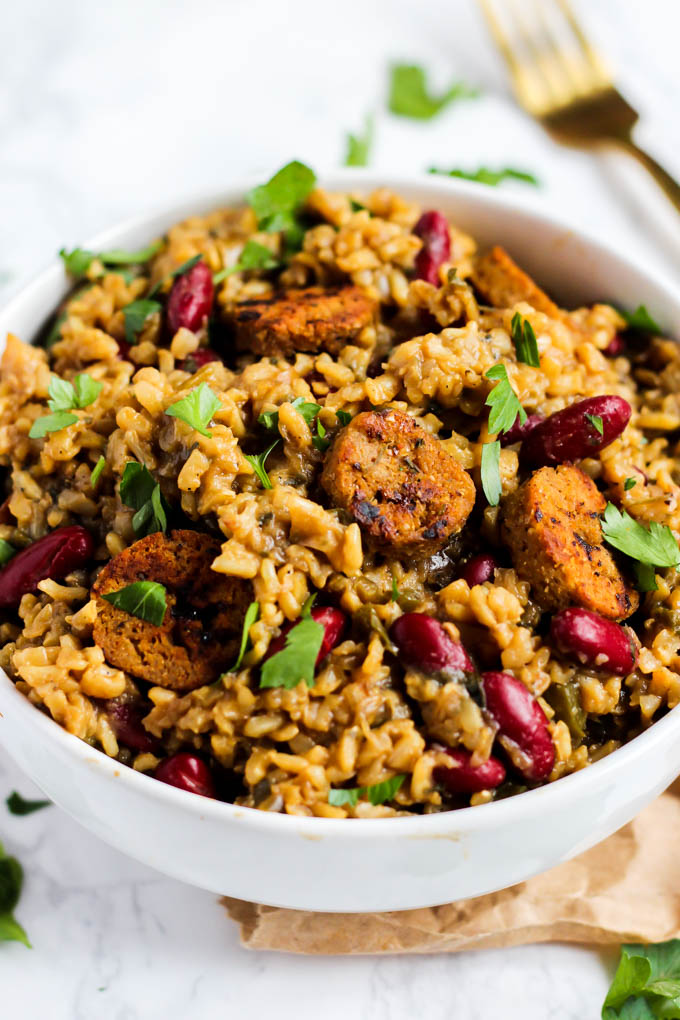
x=559, y=79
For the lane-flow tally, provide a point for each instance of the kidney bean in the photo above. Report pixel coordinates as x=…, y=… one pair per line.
x=126, y=723
x=615, y=346
x=433, y=228
x=522, y=725
x=123, y=350
x=479, y=569
x=55, y=556
x=568, y=435
x=334, y=623
x=517, y=432
x=424, y=645
x=594, y=641
x=464, y=778
x=190, y=299
x=188, y=772
x=203, y=356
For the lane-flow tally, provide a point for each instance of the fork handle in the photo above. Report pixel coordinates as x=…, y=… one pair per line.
x=661, y=176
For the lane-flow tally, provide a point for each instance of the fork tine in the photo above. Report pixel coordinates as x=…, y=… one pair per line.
x=596, y=65
x=545, y=57
x=529, y=87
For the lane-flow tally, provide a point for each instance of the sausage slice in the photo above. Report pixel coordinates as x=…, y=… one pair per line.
x=314, y=319
x=200, y=634
x=552, y=525
x=398, y=482
x=501, y=283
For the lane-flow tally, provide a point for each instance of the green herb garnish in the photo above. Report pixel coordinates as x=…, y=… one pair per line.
x=379, y=793
x=491, y=177
x=7, y=551
x=358, y=151
x=143, y=599
x=641, y=320
x=596, y=421
x=253, y=256
x=319, y=440
x=307, y=408
x=276, y=203
x=655, y=546
x=502, y=399
x=176, y=273
x=11, y=881
x=629, y=483
x=491, y=472
x=96, y=471
x=257, y=460
x=78, y=261
x=18, y=805
x=136, y=314
x=395, y=590
x=252, y=613
x=141, y=492
x=646, y=984
x=196, y=409
x=409, y=96
x=524, y=339
x=297, y=659
x=344, y=417
x=65, y=396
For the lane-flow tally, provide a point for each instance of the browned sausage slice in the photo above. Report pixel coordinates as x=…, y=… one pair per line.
x=199, y=636
x=314, y=319
x=552, y=525
x=501, y=283
x=398, y=482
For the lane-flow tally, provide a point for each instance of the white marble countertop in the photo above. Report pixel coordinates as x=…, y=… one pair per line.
x=108, y=109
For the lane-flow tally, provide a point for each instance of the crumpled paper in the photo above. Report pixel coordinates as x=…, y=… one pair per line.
x=626, y=889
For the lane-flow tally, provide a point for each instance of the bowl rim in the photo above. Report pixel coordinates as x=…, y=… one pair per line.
x=445, y=823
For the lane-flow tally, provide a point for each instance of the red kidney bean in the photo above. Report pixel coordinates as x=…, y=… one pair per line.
x=479, y=569
x=123, y=350
x=433, y=228
x=191, y=299
x=464, y=778
x=55, y=556
x=615, y=346
x=188, y=772
x=424, y=645
x=334, y=623
x=568, y=435
x=203, y=356
x=517, y=432
x=126, y=723
x=522, y=725
x=594, y=641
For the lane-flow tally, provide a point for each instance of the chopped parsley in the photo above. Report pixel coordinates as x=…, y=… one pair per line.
x=596, y=421
x=409, y=95
x=502, y=399
x=253, y=256
x=7, y=551
x=252, y=613
x=11, y=881
x=64, y=397
x=96, y=471
x=141, y=492
x=276, y=204
x=257, y=461
x=319, y=440
x=18, y=805
x=78, y=261
x=524, y=339
x=651, y=547
x=196, y=409
x=297, y=659
x=395, y=589
x=358, y=151
x=135, y=315
x=307, y=408
x=629, y=483
x=491, y=177
x=491, y=472
x=344, y=417
x=379, y=793
x=641, y=320
x=143, y=599
x=646, y=983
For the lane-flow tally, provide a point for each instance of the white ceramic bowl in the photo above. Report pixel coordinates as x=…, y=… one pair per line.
x=387, y=864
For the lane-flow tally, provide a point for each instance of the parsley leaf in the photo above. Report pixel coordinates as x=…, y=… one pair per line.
x=491, y=177
x=409, y=96
x=491, y=472
x=646, y=983
x=641, y=320
x=136, y=314
x=11, y=881
x=524, y=339
x=143, y=599
x=253, y=256
x=78, y=261
x=379, y=793
x=64, y=396
x=629, y=483
x=96, y=472
x=655, y=546
x=308, y=410
x=256, y=461
x=503, y=402
x=344, y=417
x=395, y=590
x=18, y=805
x=7, y=551
x=252, y=613
x=197, y=408
x=140, y=491
x=51, y=423
x=277, y=202
x=596, y=421
x=297, y=659
x=319, y=440
x=359, y=147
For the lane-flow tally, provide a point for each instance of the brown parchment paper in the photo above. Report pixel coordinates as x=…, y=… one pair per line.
x=626, y=889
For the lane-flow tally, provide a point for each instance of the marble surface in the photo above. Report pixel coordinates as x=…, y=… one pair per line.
x=106, y=110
